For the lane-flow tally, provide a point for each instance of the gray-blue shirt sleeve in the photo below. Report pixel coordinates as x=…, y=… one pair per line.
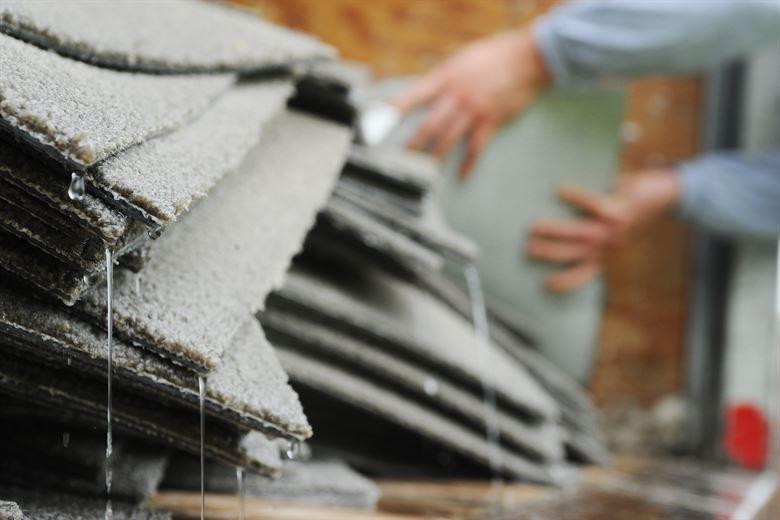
x=733, y=193
x=590, y=39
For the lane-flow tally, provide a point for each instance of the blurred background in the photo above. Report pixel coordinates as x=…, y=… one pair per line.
x=679, y=361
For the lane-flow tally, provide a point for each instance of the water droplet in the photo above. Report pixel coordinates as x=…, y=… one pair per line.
x=201, y=402
x=292, y=450
x=69, y=361
x=76, y=189
x=431, y=386
x=241, y=494
x=155, y=232
x=65, y=439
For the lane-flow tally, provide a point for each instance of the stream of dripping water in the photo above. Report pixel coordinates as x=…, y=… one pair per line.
x=109, y=405
x=202, y=399
x=241, y=496
x=479, y=316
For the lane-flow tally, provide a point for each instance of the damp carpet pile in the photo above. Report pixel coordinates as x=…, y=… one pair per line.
x=196, y=261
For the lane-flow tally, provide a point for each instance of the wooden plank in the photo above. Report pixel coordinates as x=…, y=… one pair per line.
x=186, y=504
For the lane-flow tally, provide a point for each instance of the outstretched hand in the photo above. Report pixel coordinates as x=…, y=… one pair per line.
x=583, y=243
x=473, y=92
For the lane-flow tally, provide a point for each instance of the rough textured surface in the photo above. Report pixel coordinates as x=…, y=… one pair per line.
x=234, y=392
x=167, y=36
x=321, y=483
x=233, y=248
x=39, y=225
x=84, y=114
x=395, y=313
x=163, y=177
x=540, y=442
x=83, y=400
x=51, y=188
x=10, y=511
x=359, y=392
x=52, y=506
x=46, y=273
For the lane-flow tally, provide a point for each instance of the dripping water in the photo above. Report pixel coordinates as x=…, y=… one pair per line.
x=109, y=400
x=65, y=439
x=479, y=317
x=292, y=450
x=241, y=494
x=155, y=232
x=76, y=188
x=201, y=402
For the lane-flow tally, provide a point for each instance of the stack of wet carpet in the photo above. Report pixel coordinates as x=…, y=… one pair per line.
x=121, y=123
x=160, y=166
x=375, y=324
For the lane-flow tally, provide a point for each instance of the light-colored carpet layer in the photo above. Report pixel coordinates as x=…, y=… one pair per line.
x=247, y=387
x=83, y=114
x=171, y=35
x=233, y=248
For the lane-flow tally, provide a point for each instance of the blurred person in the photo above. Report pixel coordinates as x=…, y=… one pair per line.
x=471, y=94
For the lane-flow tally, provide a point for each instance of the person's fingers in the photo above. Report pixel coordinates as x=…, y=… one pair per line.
x=456, y=129
x=435, y=123
x=559, y=251
x=588, y=201
x=478, y=139
x=421, y=91
x=570, y=229
x=573, y=277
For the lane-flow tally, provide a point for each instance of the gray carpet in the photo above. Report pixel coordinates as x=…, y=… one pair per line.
x=233, y=247
x=82, y=114
x=164, y=36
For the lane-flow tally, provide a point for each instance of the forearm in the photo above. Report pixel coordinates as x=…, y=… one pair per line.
x=622, y=38
x=733, y=194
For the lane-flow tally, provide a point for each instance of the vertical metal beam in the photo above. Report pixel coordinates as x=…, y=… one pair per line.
x=712, y=263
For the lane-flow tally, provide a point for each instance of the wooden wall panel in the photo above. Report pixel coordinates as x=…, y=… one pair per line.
x=640, y=351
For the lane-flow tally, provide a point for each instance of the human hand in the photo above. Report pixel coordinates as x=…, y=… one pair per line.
x=474, y=91
x=583, y=243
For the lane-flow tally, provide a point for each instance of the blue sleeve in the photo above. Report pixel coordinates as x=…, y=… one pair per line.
x=733, y=193
x=590, y=39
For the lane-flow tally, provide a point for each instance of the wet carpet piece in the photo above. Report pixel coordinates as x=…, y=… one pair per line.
x=233, y=247
x=248, y=387
x=49, y=231
x=51, y=188
x=540, y=442
x=84, y=400
x=419, y=229
x=42, y=271
x=342, y=222
x=397, y=169
x=79, y=114
x=167, y=36
x=162, y=178
x=379, y=307
x=361, y=393
x=320, y=483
